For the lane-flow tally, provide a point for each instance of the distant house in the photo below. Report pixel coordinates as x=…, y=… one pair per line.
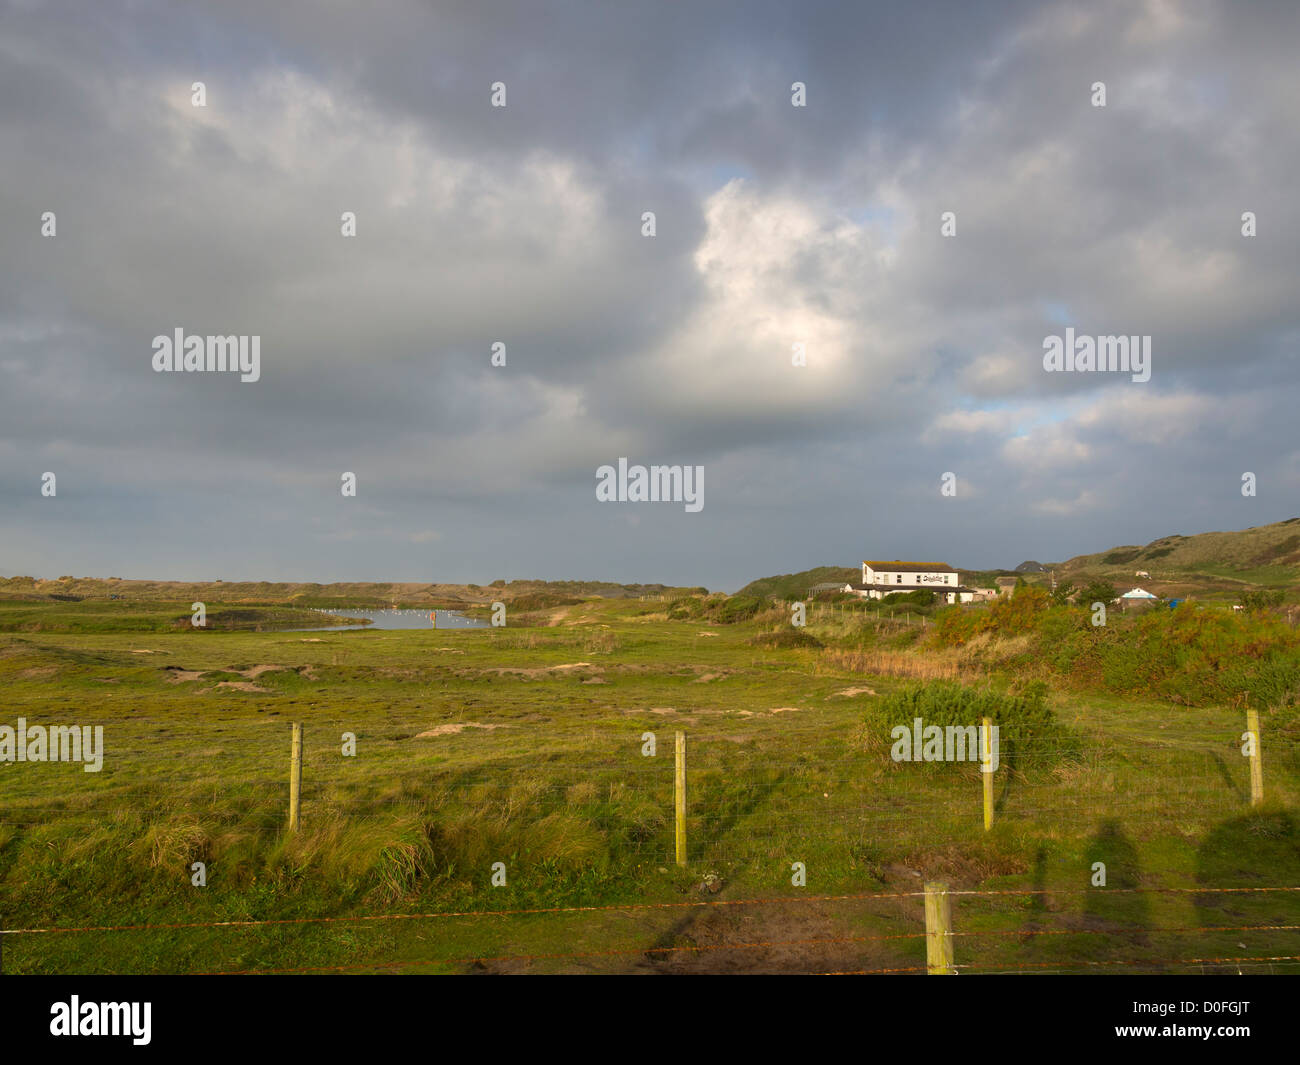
x=1006, y=585
x=1137, y=597
x=1143, y=573
x=881, y=578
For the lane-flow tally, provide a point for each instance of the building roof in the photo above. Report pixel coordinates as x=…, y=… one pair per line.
x=919, y=567
x=1137, y=593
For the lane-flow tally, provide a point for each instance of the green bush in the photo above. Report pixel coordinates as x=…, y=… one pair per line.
x=783, y=638
x=919, y=597
x=1262, y=599
x=685, y=608
x=1097, y=592
x=1028, y=732
x=738, y=608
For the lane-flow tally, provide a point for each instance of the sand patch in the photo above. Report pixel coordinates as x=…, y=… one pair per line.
x=535, y=671
x=312, y=639
x=253, y=672
x=454, y=727
x=37, y=671
x=146, y=651
x=785, y=709
x=177, y=675
x=706, y=634
x=850, y=692
x=708, y=677
x=595, y=680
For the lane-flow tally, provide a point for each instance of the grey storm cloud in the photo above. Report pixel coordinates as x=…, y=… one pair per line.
x=775, y=225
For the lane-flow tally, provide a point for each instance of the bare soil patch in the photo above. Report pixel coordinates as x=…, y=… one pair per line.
x=533, y=672
x=451, y=728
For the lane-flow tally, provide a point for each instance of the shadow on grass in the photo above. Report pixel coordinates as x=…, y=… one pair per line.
x=1241, y=791
x=1126, y=911
x=1256, y=849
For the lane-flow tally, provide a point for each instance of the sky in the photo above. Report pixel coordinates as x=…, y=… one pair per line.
x=774, y=225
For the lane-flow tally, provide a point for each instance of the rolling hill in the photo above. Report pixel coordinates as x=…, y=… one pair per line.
x=1224, y=563
x=1212, y=564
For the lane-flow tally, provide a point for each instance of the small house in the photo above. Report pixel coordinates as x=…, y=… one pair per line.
x=1138, y=598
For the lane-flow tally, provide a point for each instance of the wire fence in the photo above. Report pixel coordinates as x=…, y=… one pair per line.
x=847, y=813
x=742, y=802
x=906, y=939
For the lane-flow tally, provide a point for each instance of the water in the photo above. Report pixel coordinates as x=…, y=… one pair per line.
x=398, y=619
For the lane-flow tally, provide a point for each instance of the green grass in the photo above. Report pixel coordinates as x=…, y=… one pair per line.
x=103, y=615
x=783, y=768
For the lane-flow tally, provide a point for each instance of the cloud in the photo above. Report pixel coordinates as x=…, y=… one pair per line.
x=775, y=226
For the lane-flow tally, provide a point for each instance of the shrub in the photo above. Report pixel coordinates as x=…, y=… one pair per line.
x=1063, y=592
x=1097, y=591
x=685, y=608
x=738, y=608
x=1019, y=613
x=954, y=627
x=784, y=638
x=1028, y=732
x=921, y=597
x=1262, y=599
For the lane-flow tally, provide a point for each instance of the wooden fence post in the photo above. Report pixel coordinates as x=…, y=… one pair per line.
x=938, y=930
x=679, y=799
x=1256, y=765
x=295, y=778
x=986, y=759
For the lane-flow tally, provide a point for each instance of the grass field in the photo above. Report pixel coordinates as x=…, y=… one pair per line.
x=524, y=746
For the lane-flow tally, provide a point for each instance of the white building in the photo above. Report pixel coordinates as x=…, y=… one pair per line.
x=881, y=578
x=1137, y=598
